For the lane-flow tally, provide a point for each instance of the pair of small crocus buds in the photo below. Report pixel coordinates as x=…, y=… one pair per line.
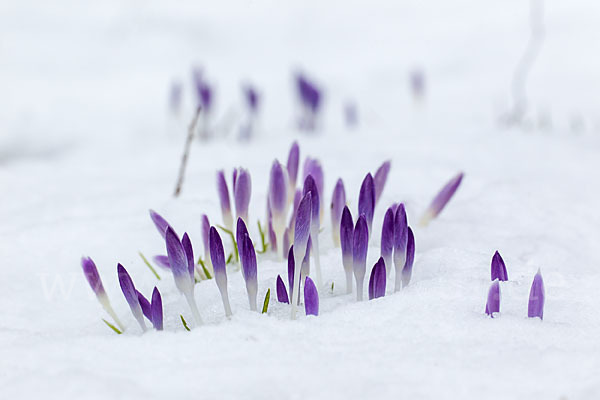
x=441, y=199
x=398, y=244
x=354, y=242
x=242, y=190
x=138, y=304
x=311, y=295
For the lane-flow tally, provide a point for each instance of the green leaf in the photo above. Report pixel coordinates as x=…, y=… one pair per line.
x=235, y=248
x=331, y=287
x=266, y=302
x=185, y=325
x=229, y=259
x=111, y=326
x=149, y=265
x=262, y=239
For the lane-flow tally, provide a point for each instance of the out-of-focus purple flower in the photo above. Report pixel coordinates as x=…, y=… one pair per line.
x=410, y=258
x=312, y=166
x=278, y=191
x=377, y=280
x=189, y=255
x=162, y=261
x=338, y=202
x=360, y=242
x=224, y=199
x=310, y=98
x=248, y=259
x=537, y=296
x=310, y=186
x=380, y=179
x=130, y=294
x=347, y=243
x=252, y=98
x=498, y=270
x=387, y=238
x=175, y=95
x=311, y=297
x=160, y=223
x=217, y=255
x=351, y=114
x=292, y=166
x=400, y=241
x=205, y=232
x=493, y=299
x=203, y=91
x=157, y=310
x=301, y=235
x=145, y=305
x=441, y=199
x=282, y=295
x=417, y=83
x=366, y=200
x=91, y=274
x=242, y=190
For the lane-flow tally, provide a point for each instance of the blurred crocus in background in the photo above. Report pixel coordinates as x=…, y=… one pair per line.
x=205, y=100
x=278, y=203
x=252, y=103
x=223, y=192
x=380, y=179
x=338, y=202
x=242, y=191
x=293, y=162
x=441, y=199
x=310, y=99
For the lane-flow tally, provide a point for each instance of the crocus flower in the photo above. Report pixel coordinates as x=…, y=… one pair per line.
x=131, y=296
x=387, y=239
x=252, y=98
x=205, y=232
x=248, y=259
x=292, y=168
x=217, y=255
x=441, y=199
x=301, y=235
x=400, y=242
x=417, y=83
x=157, y=310
x=380, y=179
x=498, y=270
x=91, y=274
x=338, y=202
x=282, y=295
x=186, y=243
x=242, y=189
x=278, y=190
x=377, y=280
x=312, y=166
x=366, y=200
x=224, y=199
x=240, y=231
x=536, y=297
x=203, y=90
x=310, y=98
x=493, y=299
x=145, y=305
x=162, y=261
x=346, y=241
x=310, y=186
x=410, y=257
x=360, y=242
x=160, y=223
x=179, y=262
x=311, y=297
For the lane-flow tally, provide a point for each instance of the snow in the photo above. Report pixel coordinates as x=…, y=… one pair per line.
x=87, y=147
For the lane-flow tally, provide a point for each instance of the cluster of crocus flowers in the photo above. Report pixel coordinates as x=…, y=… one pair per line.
x=242, y=191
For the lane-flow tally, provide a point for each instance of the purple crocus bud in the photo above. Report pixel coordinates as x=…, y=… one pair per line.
x=252, y=98
x=242, y=189
x=91, y=274
x=301, y=235
x=400, y=242
x=292, y=224
x=162, y=261
x=311, y=297
x=387, y=238
x=160, y=223
x=157, y=310
x=240, y=231
x=493, y=299
x=292, y=166
x=205, y=232
x=224, y=199
x=248, y=259
x=145, y=305
x=203, y=90
x=536, y=297
x=380, y=178
x=130, y=294
x=178, y=260
x=377, y=280
x=282, y=295
x=291, y=264
x=278, y=191
x=360, y=243
x=366, y=200
x=410, y=257
x=217, y=255
x=189, y=255
x=498, y=270
x=346, y=241
x=310, y=186
x=312, y=166
x=338, y=202
x=441, y=199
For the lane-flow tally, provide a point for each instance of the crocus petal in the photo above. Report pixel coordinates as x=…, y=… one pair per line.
x=248, y=259
x=441, y=199
x=145, y=304
x=305, y=270
x=157, y=310
x=493, y=300
x=128, y=289
x=346, y=241
x=311, y=297
x=291, y=265
x=223, y=192
x=160, y=223
x=205, y=233
x=498, y=270
x=380, y=178
x=178, y=261
x=537, y=296
x=410, y=257
x=360, y=243
x=292, y=165
x=312, y=167
x=338, y=202
x=387, y=238
x=162, y=261
x=282, y=295
x=377, y=280
x=242, y=192
x=91, y=274
x=277, y=189
x=186, y=243
x=303, y=224
x=217, y=255
x=311, y=186
x=366, y=200
x=400, y=241
x=240, y=232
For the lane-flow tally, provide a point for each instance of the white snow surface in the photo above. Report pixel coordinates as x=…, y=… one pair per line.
x=88, y=146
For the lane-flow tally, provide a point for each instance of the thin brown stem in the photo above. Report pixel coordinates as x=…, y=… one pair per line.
x=186, y=152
